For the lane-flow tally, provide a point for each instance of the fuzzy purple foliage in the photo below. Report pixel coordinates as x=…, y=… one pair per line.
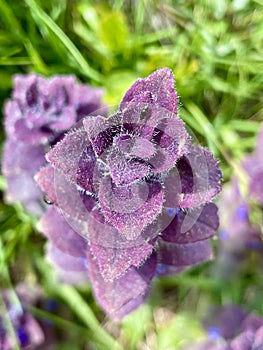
x=134, y=193
x=232, y=328
x=36, y=117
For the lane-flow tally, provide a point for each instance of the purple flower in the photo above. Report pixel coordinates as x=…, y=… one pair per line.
x=239, y=235
x=139, y=192
x=36, y=117
x=232, y=328
x=237, y=232
x=27, y=332
x=253, y=165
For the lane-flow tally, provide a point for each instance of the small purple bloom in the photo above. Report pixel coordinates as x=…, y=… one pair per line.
x=235, y=329
x=253, y=165
x=27, y=331
x=239, y=235
x=36, y=117
x=134, y=193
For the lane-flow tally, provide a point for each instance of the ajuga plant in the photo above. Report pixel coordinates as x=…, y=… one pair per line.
x=241, y=225
x=131, y=196
x=36, y=117
x=18, y=328
x=231, y=328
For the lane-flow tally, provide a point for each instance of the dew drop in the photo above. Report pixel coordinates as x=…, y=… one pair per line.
x=47, y=200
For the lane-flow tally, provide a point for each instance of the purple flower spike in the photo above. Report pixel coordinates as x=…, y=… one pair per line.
x=240, y=234
x=20, y=163
x=232, y=328
x=137, y=190
x=253, y=165
x=36, y=117
x=28, y=333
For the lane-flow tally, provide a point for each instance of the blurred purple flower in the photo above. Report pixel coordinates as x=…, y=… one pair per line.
x=253, y=165
x=36, y=117
x=238, y=235
x=17, y=325
x=134, y=193
x=232, y=328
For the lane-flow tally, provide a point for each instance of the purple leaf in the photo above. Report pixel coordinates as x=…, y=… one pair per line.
x=72, y=202
x=75, y=158
x=171, y=141
x=124, y=169
x=55, y=228
x=113, y=253
x=200, y=177
x=45, y=178
x=125, y=293
x=204, y=223
x=177, y=254
x=65, y=261
x=157, y=88
x=130, y=208
x=135, y=146
x=101, y=131
x=102, y=233
x=114, y=262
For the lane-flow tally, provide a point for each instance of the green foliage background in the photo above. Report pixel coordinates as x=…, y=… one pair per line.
x=215, y=49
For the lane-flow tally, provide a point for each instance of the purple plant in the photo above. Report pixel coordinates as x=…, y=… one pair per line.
x=17, y=325
x=232, y=328
x=136, y=190
x=36, y=117
x=253, y=166
x=239, y=235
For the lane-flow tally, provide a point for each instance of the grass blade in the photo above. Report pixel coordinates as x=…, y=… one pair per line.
x=45, y=20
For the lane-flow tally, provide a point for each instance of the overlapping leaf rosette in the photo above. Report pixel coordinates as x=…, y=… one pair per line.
x=36, y=117
x=132, y=196
x=231, y=328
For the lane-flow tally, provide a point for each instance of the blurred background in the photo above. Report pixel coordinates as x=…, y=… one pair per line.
x=215, y=50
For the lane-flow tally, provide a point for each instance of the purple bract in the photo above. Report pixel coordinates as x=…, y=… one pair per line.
x=36, y=117
x=134, y=193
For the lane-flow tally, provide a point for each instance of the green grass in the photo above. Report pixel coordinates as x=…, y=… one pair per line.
x=215, y=51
